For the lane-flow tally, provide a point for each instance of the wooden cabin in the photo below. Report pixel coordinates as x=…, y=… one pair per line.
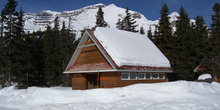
x=107, y=58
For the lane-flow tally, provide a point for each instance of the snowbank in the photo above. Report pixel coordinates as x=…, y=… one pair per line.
x=178, y=95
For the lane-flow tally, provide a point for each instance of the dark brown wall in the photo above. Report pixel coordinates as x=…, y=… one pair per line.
x=109, y=80
x=79, y=81
x=90, y=55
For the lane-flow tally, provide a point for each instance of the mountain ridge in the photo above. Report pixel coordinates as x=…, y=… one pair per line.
x=82, y=18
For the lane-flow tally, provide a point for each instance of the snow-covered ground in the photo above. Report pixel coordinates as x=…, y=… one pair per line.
x=180, y=95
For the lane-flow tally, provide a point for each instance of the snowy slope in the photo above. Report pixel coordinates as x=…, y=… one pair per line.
x=180, y=95
x=82, y=18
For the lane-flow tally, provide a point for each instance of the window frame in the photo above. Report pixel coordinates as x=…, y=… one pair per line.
x=159, y=76
x=129, y=76
x=142, y=78
x=150, y=77
x=145, y=76
x=163, y=76
x=123, y=78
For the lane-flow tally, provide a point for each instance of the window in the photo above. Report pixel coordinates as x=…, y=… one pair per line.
x=155, y=75
x=125, y=76
x=148, y=76
x=128, y=76
x=158, y=75
x=141, y=75
x=133, y=75
x=161, y=76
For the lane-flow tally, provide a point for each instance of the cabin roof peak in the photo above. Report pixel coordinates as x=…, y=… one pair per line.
x=123, y=50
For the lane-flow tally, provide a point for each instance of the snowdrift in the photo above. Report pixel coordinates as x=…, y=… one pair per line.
x=178, y=95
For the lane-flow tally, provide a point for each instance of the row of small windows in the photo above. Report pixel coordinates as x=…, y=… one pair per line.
x=142, y=76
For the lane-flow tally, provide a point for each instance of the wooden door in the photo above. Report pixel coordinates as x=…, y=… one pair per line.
x=90, y=81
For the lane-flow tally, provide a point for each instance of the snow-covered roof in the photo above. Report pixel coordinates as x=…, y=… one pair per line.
x=204, y=76
x=131, y=49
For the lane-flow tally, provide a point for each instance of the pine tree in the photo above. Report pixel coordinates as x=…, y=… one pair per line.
x=184, y=52
x=119, y=24
x=142, y=30
x=215, y=26
x=163, y=34
x=8, y=32
x=2, y=78
x=100, y=22
x=202, y=45
x=52, y=68
x=35, y=61
x=17, y=53
x=128, y=23
x=149, y=34
x=213, y=60
x=67, y=49
x=56, y=24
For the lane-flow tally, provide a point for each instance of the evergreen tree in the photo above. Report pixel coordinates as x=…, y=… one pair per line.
x=100, y=22
x=149, y=34
x=201, y=43
x=163, y=34
x=8, y=32
x=183, y=50
x=142, y=30
x=34, y=59
x=2, y=78
x=213, y=60
x=56, y=24
x=119, y=24
x=51, y=59
x=67, y=49
x=17, y=52
x=128, y=22
x=215, y=25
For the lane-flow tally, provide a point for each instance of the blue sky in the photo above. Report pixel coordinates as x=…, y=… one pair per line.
x=149, y=8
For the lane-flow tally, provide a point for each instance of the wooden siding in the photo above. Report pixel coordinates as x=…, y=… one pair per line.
x=89, y=41
x=109, y=80
x=79, y=81
x=90, y=55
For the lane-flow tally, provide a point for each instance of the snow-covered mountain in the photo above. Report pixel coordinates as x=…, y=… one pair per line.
x=82, y=18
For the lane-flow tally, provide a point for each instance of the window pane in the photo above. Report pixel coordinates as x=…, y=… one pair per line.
x=141, y=75
x=124, y=75
x=133, y=75
x=148, y=75
x=155, y=75
x=161, y=75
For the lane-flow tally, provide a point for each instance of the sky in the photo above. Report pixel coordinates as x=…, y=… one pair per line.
x=149, y=8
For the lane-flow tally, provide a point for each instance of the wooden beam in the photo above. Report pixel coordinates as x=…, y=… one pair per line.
x=98, y=80
x=86, y=45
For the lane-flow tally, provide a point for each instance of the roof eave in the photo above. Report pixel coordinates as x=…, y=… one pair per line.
x=139, y=71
